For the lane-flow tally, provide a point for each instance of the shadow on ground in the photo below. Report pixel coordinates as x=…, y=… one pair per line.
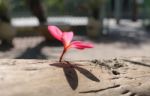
x=35, y=52
x=71, y=74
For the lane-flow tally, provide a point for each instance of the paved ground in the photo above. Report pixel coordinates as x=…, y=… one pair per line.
x=127, y=39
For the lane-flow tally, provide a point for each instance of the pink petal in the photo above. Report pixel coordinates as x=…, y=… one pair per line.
x=55, y=32
x=67, y=38
x=81, y=45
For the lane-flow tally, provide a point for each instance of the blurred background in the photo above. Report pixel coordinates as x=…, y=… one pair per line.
x=117, y=28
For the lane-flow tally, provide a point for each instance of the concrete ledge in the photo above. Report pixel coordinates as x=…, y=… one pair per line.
x=115, y=77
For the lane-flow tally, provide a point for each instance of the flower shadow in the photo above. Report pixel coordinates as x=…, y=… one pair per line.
x=71, y=74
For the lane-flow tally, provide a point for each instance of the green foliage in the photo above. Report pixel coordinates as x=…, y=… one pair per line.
x=3, y=5
x=94, y=3
x=58, y=4
x=147, y=2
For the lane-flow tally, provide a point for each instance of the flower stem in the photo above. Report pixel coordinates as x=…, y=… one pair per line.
x=60, y=59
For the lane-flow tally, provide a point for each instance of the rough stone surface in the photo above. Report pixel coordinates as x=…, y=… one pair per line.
x=113, y=77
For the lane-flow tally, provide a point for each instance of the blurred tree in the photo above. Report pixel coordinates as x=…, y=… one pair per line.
x=95, y=22
x=7, y=32
x=118, y=10
x=134, y=10
x=38, y=9
x=4, y=11
x=94, y=7
x=146, y=22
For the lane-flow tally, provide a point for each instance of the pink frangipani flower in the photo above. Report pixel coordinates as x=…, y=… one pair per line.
x=66, y=39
